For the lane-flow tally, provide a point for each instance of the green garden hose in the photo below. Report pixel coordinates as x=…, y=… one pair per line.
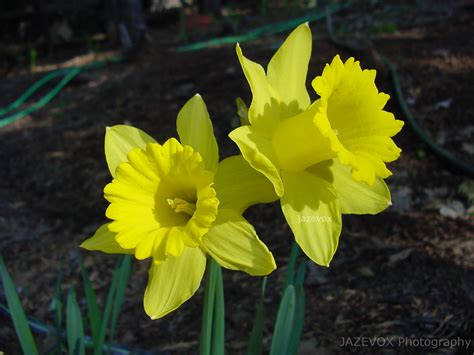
x=435, y=148
x=326, y=13
x=271, y=29
x=32, y=89
x=45, y=330
x=44, y=100
x=67, y=75
x=408, y=116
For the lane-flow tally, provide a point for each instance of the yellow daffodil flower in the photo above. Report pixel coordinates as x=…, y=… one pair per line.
x=323, y=158
x=175, y=203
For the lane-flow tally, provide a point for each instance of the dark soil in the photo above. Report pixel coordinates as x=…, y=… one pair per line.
x=407, y=272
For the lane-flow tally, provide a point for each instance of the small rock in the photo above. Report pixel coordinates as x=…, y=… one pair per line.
x=468, y=148
x=400, y=256
x=444, y=104
x=453, y=209
x=365, y=271
x=402, y=199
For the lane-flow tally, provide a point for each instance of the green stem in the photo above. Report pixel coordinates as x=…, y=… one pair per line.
x=219, y=311
x=208, y=310
x=291, y=265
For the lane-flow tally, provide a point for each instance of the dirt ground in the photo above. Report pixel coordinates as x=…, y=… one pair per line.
x=407, y=272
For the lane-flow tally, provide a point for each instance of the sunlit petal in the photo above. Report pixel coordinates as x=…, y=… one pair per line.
x=173, y=282
x=195, y=129
x=234, y=244
x=313, y=212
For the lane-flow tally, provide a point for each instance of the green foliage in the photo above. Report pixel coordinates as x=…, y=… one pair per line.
x=57, y=308
x=18, y=315
x=255, y=346
x=212, y=330
x=298, y=320
x=76, y=341
x=33, y=58
x=388, y=27
x=123, y=276
x=290, y=317
x=286, y=313
x=92, y=307
x=218, y=316
x=74, y=326
x=114, y=300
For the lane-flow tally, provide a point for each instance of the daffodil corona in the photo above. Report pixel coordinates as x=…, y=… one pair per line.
x=161, y=200
x=175, y=203
x=323, y=158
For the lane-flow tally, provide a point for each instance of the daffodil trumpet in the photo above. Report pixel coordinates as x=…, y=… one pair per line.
x=175, y=203
x=324, y=158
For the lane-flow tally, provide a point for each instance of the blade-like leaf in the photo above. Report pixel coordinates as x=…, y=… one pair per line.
x=124, y=274
x=218, y=316
x=18, y=315
x=74, y=326
x=255, y=346
x=92, y=306
x=298, y=321
x=283, y=325
x=57, y=302
x=57, y=308
x=108, y=309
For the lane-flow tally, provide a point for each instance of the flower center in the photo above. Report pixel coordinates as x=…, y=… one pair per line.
x=161, y=200
x=180, y=205
x=299, y=144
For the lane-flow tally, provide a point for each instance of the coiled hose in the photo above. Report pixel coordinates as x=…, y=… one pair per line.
x=67, y=75
x=446, y=156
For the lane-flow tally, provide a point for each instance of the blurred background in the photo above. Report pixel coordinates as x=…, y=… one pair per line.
x=407, y=272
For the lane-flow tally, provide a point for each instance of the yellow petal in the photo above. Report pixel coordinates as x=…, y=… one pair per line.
x=313, y=214
x=264, y=111
x=287, y=71
x=173, y=282
x=258, y=151
x=195, y=129
x=239, y=186
x=234, y=244
x=119, y=141
x=356, y=197
x=104, y=240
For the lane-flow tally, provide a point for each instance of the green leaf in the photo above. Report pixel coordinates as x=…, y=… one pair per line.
x=74, y=325
x=242, y=111
x=18, y=315
x=218, y=316
x=108, y=309
x=298, y=322
x=255, y=346
x=92, y=306
x=283, y=325
x=124, y=274
x=57, y=307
